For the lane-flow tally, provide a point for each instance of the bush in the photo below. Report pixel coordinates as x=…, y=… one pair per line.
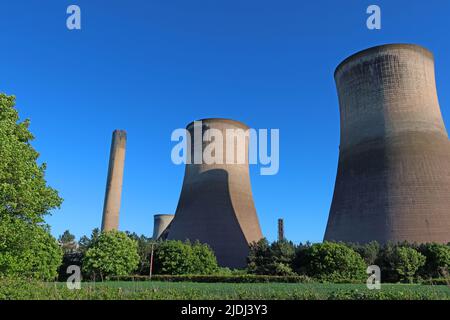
x=274, y=259
x=247, y=278
x=112, y=254
x=176, y=257
x=28, y=250
x=437, y=260
x=331, y=261
x=406, y=261
x=369, y=251
x=399, y=262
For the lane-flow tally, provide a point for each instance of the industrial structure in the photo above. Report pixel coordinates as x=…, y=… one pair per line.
x=393, y=176
x=280, y=230
x=216, y=203
x=160, y=224
x=111, y=207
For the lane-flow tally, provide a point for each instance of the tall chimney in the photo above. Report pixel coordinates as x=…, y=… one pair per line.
x=113, y=193
x=280, y=230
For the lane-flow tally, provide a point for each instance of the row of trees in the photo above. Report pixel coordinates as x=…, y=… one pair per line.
x=347, y=262
x=115, y=253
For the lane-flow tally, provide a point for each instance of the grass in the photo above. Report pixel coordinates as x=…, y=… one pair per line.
x=20, y=289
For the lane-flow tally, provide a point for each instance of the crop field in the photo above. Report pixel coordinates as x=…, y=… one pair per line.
x=191, y=291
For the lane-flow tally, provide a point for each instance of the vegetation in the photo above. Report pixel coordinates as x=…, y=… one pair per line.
x=331, y=262
x=23, y=289
x=176, y=257
x=112, y=254
x=271, y=259
x=26, y=246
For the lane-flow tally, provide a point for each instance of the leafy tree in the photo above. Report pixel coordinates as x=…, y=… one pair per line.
x=204, y=261
x=28, y=250
x=369, y=251
x=331, y=262
x=67, y=241
x=176, y=257
x=406, y=262
x=85, y=242
x=437, y=260
x=26, y=246
x=259, y=257
x=144, y=251
x=274, y=259
x=173, y=257
x=112, y=254
x=23, y=189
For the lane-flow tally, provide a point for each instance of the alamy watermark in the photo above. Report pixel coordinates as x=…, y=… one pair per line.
x=230, y=146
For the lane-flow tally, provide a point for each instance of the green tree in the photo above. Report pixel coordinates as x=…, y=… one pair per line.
x=23, y=189
x=204, y=261
x=271, y=259
x=28, y=250
x=67, y=242
x=26, y=246
x=332, y=262
x=176, y=257
x=144, y=251
x=112, y=254
x=86, y=242
x=406, y=262
x=437, y=260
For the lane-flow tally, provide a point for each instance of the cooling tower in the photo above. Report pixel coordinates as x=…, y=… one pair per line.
x=393, y=177
x=160, y=224
x=113, y=193
x=216, y=203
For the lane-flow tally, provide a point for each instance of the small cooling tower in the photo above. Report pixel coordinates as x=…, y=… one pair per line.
x=160, y=224
x=393, y=177
x=216, y=203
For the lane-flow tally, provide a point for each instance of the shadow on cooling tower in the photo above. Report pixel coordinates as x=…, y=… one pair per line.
x=205, y=213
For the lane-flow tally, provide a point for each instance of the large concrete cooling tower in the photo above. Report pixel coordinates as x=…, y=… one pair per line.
x=216, y=203
x=160, y=224
x=393, y=178
x=113, y=192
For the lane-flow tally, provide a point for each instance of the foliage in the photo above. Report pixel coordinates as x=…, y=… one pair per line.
x=369, y=251
x=23, y=189
x=112, y=254
x=26, y=247
x=67, y=242
x=85, y=242
x=437, y=260
x=273, y=259
x=144, y=250
x=176, y=257
x=28, y=250
x=203, y=259
x=332, y=262
x=150, y=290
x=406, y=261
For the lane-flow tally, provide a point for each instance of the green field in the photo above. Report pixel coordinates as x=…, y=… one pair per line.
x=190, y=290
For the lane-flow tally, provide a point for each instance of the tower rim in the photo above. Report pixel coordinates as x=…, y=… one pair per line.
x=224, y=120
x=379, y=48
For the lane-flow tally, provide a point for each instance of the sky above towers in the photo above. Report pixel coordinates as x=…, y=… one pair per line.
x=150, y=67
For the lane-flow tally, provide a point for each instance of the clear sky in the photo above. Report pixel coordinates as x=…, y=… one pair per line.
x=151, y=66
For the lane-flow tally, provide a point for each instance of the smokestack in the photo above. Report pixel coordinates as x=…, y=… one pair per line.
x=216, y=202
x=160, y=224
x=280, y=230
x=113, y=193
x=393, y=177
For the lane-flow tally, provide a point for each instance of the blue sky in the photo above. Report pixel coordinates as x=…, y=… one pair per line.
x=150, y=67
